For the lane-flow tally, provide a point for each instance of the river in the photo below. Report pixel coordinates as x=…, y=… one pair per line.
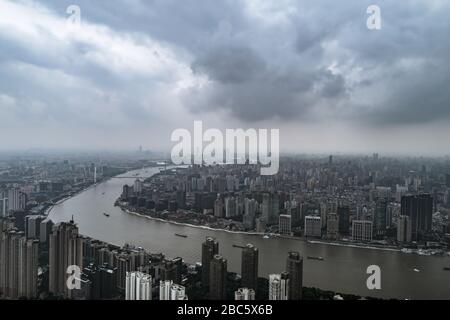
x=343, y=268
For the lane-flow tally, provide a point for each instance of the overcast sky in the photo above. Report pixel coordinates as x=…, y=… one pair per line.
x=136, y=70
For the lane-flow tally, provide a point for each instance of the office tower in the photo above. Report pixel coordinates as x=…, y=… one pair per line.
x=294, y=267
x=275, y=212
x=46, y=227
x=362, y=230
x=28, y=267
x=170, y=291
x=66, y=249
x=33, y=226
x=218, y=207
x=404, y=229
x=209, y=249
x=137, y=187
x=16, y=200
x=392, y=210
x=249, y=213
x=332, y=226
x=249, y=267
x=313, y=226
x=230, y=207
x=18, y=265
x=138, y=286
x=419, y=208
x=218, y=278
x=127, y=192
x=344, y=220
x=3, y=204
x=296, y=215
x=380, y=217
x=172, y=270
x=267, y=208
x=279, y=286
x=284, y=225
x=244, y=294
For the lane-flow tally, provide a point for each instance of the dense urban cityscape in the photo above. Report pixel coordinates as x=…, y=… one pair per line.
x=235, y=157
x=363, y=201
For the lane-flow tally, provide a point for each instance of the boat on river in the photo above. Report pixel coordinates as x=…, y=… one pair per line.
x=315, y=258
x=181, y=235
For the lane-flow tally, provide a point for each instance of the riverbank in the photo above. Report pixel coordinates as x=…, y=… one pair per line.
x=271, y=235
x=192, y=225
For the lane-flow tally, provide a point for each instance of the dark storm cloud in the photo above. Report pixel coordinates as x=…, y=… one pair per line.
x=295, y=61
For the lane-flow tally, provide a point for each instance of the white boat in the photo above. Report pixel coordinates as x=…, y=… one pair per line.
x=416, y=270
x=266, y=237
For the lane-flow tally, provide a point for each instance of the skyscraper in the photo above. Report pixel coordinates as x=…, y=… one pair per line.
x=404, y=229
x=16, y=199
x=18, y=265
x=230, y=207
x=33, y=226
x=218, y=278
x=344, y=220
x=380, y=216
x=362, y=230
x=279, y=286
x=66, y=249
x=313, y=226
x=419, y=208
x=266, y=206
x=218, y=207
x=294, y=266
x=285, y=223
x=249, y=213
x=209, y=249
x=3, y=204
x=138, y=286
x=249, y=267
x=46, y=227
x=332, y=226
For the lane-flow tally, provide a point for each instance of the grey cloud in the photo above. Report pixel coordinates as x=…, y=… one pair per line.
x=265, y=65
x=230, y=64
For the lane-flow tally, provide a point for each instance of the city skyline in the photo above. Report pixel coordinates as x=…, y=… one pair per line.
x=267, y=151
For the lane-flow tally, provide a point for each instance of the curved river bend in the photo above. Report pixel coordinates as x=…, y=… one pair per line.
x=343, y=270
